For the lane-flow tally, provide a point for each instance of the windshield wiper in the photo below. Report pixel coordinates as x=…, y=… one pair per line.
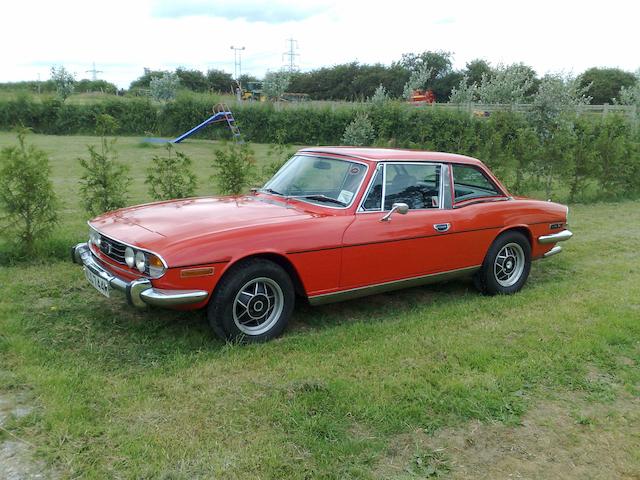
x=322, y=198
x=271, y=190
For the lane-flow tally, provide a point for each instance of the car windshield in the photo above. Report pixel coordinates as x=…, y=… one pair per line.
x=326, y=181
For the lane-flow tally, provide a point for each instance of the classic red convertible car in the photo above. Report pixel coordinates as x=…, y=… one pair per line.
x=332, y=224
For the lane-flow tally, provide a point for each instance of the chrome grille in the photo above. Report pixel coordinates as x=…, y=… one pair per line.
x=112, y=249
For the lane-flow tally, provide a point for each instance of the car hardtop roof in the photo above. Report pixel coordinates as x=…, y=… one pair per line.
x=383, y=154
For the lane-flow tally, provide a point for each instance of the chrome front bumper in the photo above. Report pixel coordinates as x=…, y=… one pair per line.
x=555, y=237
x=140, y=292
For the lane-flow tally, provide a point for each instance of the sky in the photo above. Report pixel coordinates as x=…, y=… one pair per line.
x=123, y=37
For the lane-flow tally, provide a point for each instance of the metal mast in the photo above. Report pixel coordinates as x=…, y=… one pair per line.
x=291, y=54
x=94, y=73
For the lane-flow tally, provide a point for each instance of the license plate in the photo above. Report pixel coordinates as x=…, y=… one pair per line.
x=98, y=283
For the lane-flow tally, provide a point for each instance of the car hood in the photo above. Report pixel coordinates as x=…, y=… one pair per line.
x=164, y=222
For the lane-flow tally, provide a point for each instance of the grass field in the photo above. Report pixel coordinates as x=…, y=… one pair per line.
x=430, y=382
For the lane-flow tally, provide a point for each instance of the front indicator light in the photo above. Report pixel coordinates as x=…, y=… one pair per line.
x=156, y=267
x=141, y=261
x=196, y=272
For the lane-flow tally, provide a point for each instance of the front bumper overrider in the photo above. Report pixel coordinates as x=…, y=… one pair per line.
x=139, y=292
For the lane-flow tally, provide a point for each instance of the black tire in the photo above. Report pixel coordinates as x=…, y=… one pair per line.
x=252, y=303
x=509, y=273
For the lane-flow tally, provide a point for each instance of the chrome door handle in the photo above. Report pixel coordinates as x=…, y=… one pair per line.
x=441, y=227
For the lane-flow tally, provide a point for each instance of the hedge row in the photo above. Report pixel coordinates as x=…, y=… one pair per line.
x=594, y=156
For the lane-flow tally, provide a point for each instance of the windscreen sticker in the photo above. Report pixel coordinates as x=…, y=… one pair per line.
x=345, y=196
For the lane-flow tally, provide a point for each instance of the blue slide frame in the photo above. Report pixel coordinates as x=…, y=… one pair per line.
x=218, y=117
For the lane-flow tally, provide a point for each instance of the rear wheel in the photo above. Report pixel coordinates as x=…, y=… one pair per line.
x=506, y=266
x=252, y=303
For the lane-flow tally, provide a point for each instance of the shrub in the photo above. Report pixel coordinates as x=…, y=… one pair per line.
x=28, y=203
x=171, y=176
x=235, y=165
x=275, y=84
x=164, y=88
x=104, y=183
x=279, y=154
x=63, y=81
x=359, y=132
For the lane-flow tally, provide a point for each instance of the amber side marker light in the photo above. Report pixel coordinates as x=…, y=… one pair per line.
x=196, y=272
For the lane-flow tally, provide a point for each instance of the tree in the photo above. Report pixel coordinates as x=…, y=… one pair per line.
x=552, y=116
x=464, y=93
x=164, y=88
x=144, y=81
x=246, y=78
x=359, y=132
x=219, y=81
x=193, y=80
x=63, y=80
x=236, y=168
x=605, y=83
x=630, y=95
x=418, y=80
x=171, y=176
x=509, y=84
x=380, y=96
x=475, y=70
x=441, y=79
x=28, y=204
x=275, y=84
x=104, y=183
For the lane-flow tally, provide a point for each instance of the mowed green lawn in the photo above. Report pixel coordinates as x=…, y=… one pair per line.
x=431, y=381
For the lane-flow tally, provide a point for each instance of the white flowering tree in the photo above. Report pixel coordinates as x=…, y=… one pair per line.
x=63, y=80
x=418, y=80
x=164, y=88
x=507, y=85
x=275, y=84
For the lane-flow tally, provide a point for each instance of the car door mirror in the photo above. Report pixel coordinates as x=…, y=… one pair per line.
x=401, y=208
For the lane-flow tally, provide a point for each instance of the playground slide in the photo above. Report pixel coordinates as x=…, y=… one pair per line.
x=213, y=118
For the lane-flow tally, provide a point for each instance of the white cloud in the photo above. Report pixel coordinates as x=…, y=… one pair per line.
x=123, y=37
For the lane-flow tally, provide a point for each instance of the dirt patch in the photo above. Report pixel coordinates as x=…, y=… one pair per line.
x=558, y=439
x=16, y=455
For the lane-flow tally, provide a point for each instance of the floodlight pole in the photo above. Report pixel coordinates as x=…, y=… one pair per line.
x=237, y=61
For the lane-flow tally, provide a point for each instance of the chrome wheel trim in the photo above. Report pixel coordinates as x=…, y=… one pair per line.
x=257, y=306
x=509, y=265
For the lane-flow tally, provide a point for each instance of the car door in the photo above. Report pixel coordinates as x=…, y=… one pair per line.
x=416, y=244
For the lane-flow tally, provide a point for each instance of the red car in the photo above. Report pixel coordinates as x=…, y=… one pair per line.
x=332, y=224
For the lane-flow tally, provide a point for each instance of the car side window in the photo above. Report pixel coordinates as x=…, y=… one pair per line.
x=417, y=185
x=469, y=182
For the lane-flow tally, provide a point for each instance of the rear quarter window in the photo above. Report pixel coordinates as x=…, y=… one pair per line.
x=470, y=182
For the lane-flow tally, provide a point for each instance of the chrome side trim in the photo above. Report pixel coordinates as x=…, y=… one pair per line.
x=140, y=292
x=555, y=237
x=554, y=251
x=389, y=286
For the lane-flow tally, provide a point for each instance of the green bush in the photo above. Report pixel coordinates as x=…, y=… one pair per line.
x=171, y=176
x=28, y=204
x=235, y=165
x=104, y=183
x=582, y=157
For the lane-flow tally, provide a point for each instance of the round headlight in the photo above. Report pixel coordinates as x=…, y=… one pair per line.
x=129, y=257
x=141, y=261
x=94, y=237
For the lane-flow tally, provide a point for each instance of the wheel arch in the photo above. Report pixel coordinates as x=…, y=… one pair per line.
x=277, y=258
x=524, y=229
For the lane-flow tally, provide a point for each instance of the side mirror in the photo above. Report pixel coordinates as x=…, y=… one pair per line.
x=401, y=208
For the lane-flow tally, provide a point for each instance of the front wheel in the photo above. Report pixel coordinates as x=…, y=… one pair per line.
x=252, y=303
x=506, y=266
